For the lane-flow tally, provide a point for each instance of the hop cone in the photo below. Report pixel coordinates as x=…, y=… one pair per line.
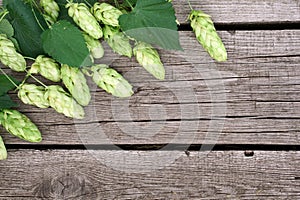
x=111, y=81
x=75, y=81
x=94, y=46
x=19, y=125
x=49, y=19
x=149, y=58
x=106, y=13
x=207, y=35
x=63, y=103
x=33, y=95
x=47, y=67
x=3, y=152
x=9, y=56
x=84, y=19
x=117, y=41
x=51, y=9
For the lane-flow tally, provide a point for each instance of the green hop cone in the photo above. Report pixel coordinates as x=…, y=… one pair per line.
x=47, y=67
x=51, y=9
x=117, y=40
x=207, y=35
x=76, y=83
x=149, y=58
x=94, y=46
x=3, y=152
x=106, y=13
x=33, y=95
x=84, y=19
x=19, y=125
x=63, y=102
x=111, y=81
x=9, y=56
x=48, y=19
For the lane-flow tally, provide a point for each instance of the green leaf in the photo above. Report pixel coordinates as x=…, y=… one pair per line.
x=6, y=102
x=6, y=28
x=65, y=43
x=23, y=18
x=6, y=85
x=16, y=44
x=128, y=3
x=153, y=22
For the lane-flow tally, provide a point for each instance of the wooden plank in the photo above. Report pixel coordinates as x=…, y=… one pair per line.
x=254, y=96
x=78, y=174
x=242, y=11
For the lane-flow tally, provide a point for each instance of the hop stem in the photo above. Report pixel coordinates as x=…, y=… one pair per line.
x=37, y=80
x=129, y=4
x=9, y=78
x=190, y=5
x=3, y=14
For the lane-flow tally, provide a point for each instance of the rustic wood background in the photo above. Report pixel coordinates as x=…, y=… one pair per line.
x=249, y=105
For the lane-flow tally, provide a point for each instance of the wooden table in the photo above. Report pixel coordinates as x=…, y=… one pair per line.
x=248, y=107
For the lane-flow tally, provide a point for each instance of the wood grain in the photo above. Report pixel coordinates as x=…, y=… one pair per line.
x=242, y=11
x=72, y=174
x=251, y=99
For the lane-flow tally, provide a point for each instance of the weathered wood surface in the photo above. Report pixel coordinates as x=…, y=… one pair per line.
x=235, y=12
x=254, y=96
x=243, y=11
x=73, y=174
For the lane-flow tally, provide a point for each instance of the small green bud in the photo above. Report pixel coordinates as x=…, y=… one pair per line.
x=117, y=40
x=207, y=35
x=111, y=81
x=94, y=46
x=19, y=125
x=76, y=83
x=106, y=13
x=149, y=58
x=84, y=19
x=63, y=103
x=3, y=152
x=9, y=56
x=33, y=95
x=51, y=9
x=47, y=67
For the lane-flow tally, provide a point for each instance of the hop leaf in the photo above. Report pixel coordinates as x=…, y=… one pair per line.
x=9, y=56
x=106, y=13
x=149, y=58
x=33, y=95
x=47, y=67
x=207, y=35
x=63, y=103
x=75, y=81
x=111, y=81
x=117, y=41
x=58, y=42
x=84, y=19
x=19, y=125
